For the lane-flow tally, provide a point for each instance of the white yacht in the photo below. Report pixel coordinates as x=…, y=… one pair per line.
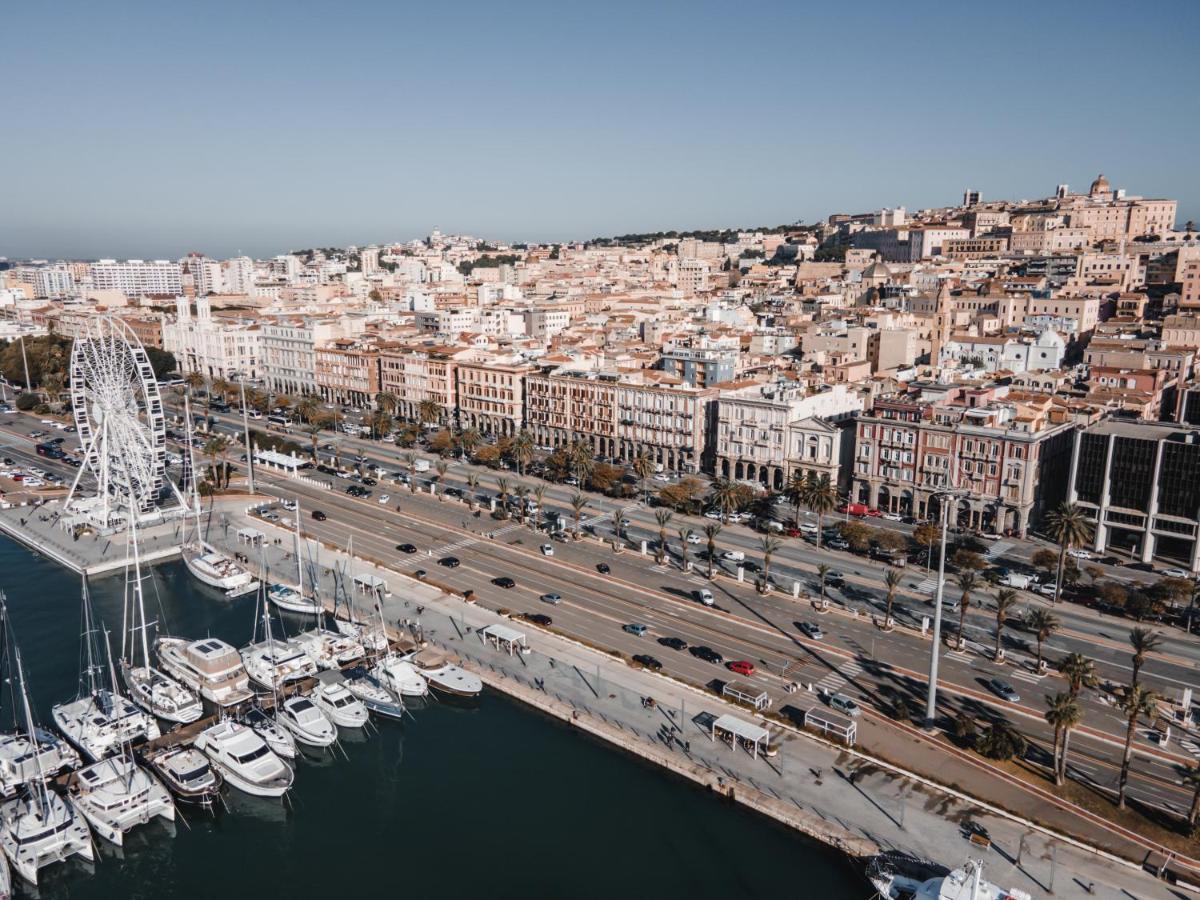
x=20, y=763
x=443, y=676
x=374, y=696
x=341, y=707
x=244, y=760
x=212, y=567
x=306, y=722
x=904, y=880
x=401, y=677
x=329, y=649
x=371, y=637
x=289, y=599
x=188, y=775
x=272, y=663
x=116, y=794
x=267, y=727
x=209, y=666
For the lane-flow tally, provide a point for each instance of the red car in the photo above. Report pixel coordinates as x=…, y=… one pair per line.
x=741, y=667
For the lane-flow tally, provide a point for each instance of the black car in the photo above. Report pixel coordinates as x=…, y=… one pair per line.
x=708, y=654
x=57, y=440
x=602, y=568
x=420, y=574
x=370, y=482
x=406, y=548
x=450, y=562
x=835, y=579
x=318, y=515
x=504, y=581
x=539, y=619
x=674, y=643
x=8, y=461
x=648, y=662
x=452, y=492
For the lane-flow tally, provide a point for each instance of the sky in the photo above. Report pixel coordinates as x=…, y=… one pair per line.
x=148, y=130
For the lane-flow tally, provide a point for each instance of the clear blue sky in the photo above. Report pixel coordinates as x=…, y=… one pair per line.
x=151, y=129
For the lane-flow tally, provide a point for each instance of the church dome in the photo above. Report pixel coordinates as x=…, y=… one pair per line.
x=1100, y=186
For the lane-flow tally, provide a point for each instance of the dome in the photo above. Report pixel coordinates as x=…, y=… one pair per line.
x=1100, y=185
x=877, y=270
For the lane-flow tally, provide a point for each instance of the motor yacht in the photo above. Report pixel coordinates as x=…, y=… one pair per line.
x=267, y=727
x=339, y=705
x=374, y=696
x=21, y=763
x=116, y=794
x=443, y=676
x=371, y=637
x=903, y=878
x=329, y=649
x=306, y=722
x=188, y=775
x=212, y=567
x=272, y=663
x=209, y=666
x=401, y=678
x=244, y=760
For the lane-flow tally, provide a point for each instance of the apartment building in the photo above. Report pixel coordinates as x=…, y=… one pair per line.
x=289, y=350
x=491, y=394
x=700, y=366
x=135, y=277
x=347, y=371
x=1008, y=458
x=416, y=375
x=664, y=418
x=215, y=348
x=564, y=405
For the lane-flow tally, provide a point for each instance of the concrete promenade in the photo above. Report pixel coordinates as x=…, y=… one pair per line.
x=833, y=794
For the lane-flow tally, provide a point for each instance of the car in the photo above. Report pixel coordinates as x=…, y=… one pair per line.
x=547, y=549
x=812, y=631
x=635, y=629
x=384, y=498
x=56, y=440
x=407, y=548
x=708, y=654
x=874, y=514
x=1076, y=553
x=662, y=476
x=893, y=517
x=734, y=555
x=845, y=705
x=741, y=667
x=1177, y=573
x=539, y=619
x=1048, y=589
x=1003, y=690
x=837, y=544
x=713, y=514
x=835, y=579
x=504, y=581
x=452, y=492
x=571, y=480
x=602, y=568
x=704, y=595
x=809, y=528
x=625, y=523
x=420, y=574
x=673, y=642
x=648, y=662
x=450, y=562
x=345, y=474
x=8, y=461
x=552, y=599
x=693, y=538
x=370, y=482
x=319, y=516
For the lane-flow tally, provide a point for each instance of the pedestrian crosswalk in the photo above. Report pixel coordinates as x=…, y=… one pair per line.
x=1191, y=747
x=998, y=549
x=927, y=585
x=837, y=679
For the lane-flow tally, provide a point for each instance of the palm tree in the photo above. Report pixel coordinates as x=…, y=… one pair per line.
x=1043, y=623
x=522, y=492
x=380, y=422
x=1069, y=527
x=469, y=441
x=222, y=387
x=617, y=529
x=441, y=467
x=684, y=535
x=539, y=497
x=822, y=572
x=967, y=582
x=502, y=490
x=1064, y=713
x=1191, y=778
x=822, y=498
x=522, y=450
x=1139, y=703
x=769, y=547
x=313, y=428
x=711, y=530
x=429, y=411
x=578, y=502
x=1006, y=599
x=472, y=487
x=724, y=496
x=194, y=380
x=892, y=580
x=643, y=465
x=212, y=449
x=386, y=402
x=663, y=518
x=796, y=491
x=410, y=459
x=307, y=406
x=1079, y=671
x=1143, y=641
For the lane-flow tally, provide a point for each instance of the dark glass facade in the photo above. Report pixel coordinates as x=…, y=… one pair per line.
x=1131, y=476
x=1179, y=480
x=1089, y=474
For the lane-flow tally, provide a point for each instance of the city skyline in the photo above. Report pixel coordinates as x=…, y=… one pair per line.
x=591, y=123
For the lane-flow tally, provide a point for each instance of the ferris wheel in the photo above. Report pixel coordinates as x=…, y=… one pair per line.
x=119, y=415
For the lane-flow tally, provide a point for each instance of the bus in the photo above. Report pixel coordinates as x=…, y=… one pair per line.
x=278, y=421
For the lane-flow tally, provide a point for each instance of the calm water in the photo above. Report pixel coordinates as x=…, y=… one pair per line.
x=494, y=801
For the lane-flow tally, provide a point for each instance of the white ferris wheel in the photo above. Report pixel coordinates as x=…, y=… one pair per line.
x=119, y=415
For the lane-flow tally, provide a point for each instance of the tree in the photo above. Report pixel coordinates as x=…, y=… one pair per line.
x=643, y=467
x=1042, y=623
x=469, y=441
x=684, y=496
x=380, y=423
x=582, y=460
x=410, y=460
x=965, y=559
x=1006, y=601
x=892, y=580
x=822, y=498
x=387, y=403
x=193, y=380
x=684, y=536
x=212, y=449
x=617, y=519
x=429, y=411
x=539, y=497
x=1045, y=561
x=663, y=517
x=313, y=428
x=724, y=496
x=522, y=450
x=1112, y=594
x=307, y=406
x=926, y=535
x=769, y=547
x=1138, y=703
x=1001, y=742
x=1063, y=712
x=795, y=491
x=472, y=488
x=711, y=530
x=856, y=534
x=522, y=492
x=967, y=582
x=442, y=443
x=1079, y=671
x=26, y=401
x=578, y=502
x=441, y=467
x=161, y=361
x=823, y=573
x=1144, y=642
x=603, y=476
x=502, y=488
x=1069, y=527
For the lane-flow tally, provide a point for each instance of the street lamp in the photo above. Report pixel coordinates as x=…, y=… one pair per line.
x=948, y=499
x=246, y=432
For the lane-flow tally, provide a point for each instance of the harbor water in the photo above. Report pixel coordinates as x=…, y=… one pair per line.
x=494, y=800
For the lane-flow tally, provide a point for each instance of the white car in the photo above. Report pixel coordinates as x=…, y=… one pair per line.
x=893, y=517
x=734, y=555
x=1048, y=589
x=713, y=514
x=289, y=505
x=808, y=528
x=662, y=476
x=693, y=538
x=1079, y=554
x=547, y=549
x=1177, y=573
x=384, y=498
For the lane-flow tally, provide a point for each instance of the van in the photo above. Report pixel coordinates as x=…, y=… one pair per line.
x=704, y=595
x=1019, y=580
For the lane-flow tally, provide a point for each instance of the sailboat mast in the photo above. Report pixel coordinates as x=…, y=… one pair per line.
x=90, y=668
x=187, y=416
x=112, y=672
x=141, y=600
x=43, y=800
x=299, y=560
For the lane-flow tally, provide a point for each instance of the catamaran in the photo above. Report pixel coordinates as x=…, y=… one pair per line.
x=209, y=666
x=21, y=764
x=100, y=720
x=116, y=794
x=39, y=827
x=156, y=693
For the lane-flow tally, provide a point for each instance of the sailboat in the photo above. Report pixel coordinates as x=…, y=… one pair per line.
x=292, y=599
x=370, y=637
x=364, y=684
x=156, y=693
x=208, y=564
x=100, y=720
x=39, y=827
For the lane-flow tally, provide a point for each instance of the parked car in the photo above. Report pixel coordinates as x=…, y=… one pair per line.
x=547, y=549
x=504, y=581
x=1177, y=573
x=812, y=631
x=539, y=619
x=1004, y=690
x=741, y=667
x=1077, y=553
x=734, y=555
x=674, y=643
x=635, y=629
x=845, y=705
x=837, y=544
x=648, y=662
x=450, y=562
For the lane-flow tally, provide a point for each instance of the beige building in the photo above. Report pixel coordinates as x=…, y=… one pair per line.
x=491, y=394
x=414, y=375
x=347, y=371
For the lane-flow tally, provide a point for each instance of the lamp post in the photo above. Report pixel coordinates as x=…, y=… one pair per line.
x=246, y=434
x=947, y=505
